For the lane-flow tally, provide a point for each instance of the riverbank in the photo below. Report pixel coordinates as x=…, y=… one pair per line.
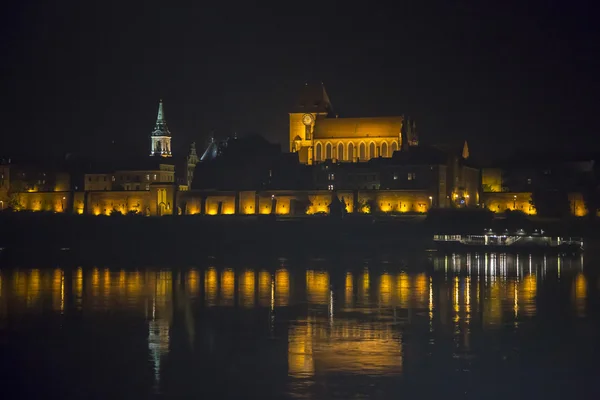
x=164, y=239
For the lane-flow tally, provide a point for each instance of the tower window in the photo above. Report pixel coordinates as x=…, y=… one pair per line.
x=147, y=177
x=411, y=176
x=395, y=177
x=330, y=187
x=331, y=177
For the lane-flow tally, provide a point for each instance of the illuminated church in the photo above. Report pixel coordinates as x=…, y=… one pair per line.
x=318, y=134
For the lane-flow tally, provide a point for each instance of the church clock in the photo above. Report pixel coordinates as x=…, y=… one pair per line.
x=307, y=119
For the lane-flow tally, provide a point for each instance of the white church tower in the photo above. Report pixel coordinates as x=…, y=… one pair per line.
x=160, y=141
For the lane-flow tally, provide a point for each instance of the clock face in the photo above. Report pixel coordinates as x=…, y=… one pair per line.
x=307, y=119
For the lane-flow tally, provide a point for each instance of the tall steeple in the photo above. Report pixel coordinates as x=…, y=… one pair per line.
x=160, y=140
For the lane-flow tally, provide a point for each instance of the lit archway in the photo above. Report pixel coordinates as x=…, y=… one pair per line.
x=362, y=152
x=384, y=149
x=351, y=151
x=328, y=155
x=394, y=147
x=372, y=150
x=318, y=152
x=340, y=151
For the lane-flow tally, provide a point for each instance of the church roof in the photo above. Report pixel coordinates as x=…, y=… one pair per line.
x=357, y=127
x=313, y=99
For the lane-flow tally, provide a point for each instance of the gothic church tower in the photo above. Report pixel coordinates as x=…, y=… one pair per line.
x=160, y=140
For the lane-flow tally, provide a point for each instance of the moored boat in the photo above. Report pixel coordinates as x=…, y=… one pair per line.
x=518, y=241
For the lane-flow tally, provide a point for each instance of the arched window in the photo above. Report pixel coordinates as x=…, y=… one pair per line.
x=384, y=152
x=351, y=152
x=318, y=152
x=340, y=151
x=362, y=152
x=328, y=155
x=394, y=147
x=372, y=153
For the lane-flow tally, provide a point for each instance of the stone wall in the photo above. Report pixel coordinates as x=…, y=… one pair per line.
x=502, y=201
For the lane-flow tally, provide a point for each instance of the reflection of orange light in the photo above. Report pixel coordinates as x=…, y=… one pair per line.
x=264, y=288
x=33, y=291
x=580, y=293
x=528, y=292
x=282, y=287
x=365, y=284
x=133, y=283
x=95, y=277
x=403, y=288
x=246, y=288
x=493, y=309
x=106, y=281
x=193, y=282
x=79, y=287
x=349, y=289
x=317, y=287
x=300, y=352
x=227, y=287
x=385, y=289
x=210, y=286
x=456, y=303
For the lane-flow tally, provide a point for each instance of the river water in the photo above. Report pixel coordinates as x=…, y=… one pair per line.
x=462, y=326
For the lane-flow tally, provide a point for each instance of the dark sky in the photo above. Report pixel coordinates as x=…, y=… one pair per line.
x=503, y=75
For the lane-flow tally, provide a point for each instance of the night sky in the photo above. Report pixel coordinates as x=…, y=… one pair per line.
x=503, y=75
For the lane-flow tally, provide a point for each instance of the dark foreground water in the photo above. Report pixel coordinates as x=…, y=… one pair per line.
x=465, y=326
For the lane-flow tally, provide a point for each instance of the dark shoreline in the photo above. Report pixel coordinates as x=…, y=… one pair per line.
x=182, y=239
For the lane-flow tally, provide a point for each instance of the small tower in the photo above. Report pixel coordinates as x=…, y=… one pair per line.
x=192, y=160
x=160, y=140
x=465, y=151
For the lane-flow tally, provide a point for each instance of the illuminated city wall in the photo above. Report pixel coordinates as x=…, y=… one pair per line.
x=247, y=203
x=157, y=201
x=50, y=201
x=103, y=203
x=396, y=200
x=220, y=204
x=500, y=202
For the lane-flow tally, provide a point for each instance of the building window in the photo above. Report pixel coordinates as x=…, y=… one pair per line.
x=113, y=178
x=529, y=181
x=147, y=186
x=154, y=176
x=411, y=176
x=330, y=187
x=89, y=178
x=147, y=177
x=395, y=177
x=331, y=177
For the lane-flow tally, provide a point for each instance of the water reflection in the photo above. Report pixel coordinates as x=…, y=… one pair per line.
x=358, y=322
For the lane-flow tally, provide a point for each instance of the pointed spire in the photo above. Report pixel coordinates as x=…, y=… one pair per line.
x=160, y=111
x=161, y=128
x=465, y=151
